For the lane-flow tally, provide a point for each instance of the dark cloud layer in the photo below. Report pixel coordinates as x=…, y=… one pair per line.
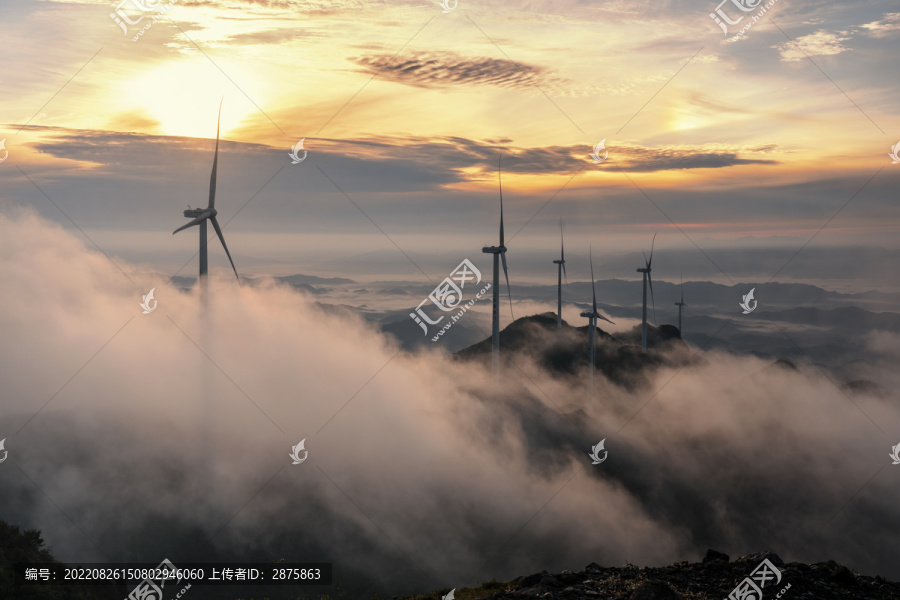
x=453, y=154
x=441, y=69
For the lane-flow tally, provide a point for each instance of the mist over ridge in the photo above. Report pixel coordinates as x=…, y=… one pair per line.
x=172, y=440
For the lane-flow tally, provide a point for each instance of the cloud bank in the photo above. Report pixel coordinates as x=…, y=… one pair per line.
x=137, y=437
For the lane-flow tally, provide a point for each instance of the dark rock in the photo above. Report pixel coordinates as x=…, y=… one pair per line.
x=551, y=581
x=530, y=580
x=758, y=557
x=655, y=590
x=569, y=578
x=714, y=579
x=843, y=576
x=714, y=556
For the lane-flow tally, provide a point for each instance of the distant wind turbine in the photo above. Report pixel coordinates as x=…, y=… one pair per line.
x=592, y=316
x=499, y=253
x=201, y=215
x=562, y=269
x=647, y=279
x=681, y=306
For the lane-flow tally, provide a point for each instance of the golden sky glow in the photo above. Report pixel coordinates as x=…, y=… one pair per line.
x=407, y=106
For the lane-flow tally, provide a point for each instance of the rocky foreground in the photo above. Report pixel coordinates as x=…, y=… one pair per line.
x=713, y=579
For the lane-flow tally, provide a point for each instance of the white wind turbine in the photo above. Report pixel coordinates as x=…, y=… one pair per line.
x=201, y=215
x=592, y=316
x=562, y=269
x=647, y=279
x=499, y=253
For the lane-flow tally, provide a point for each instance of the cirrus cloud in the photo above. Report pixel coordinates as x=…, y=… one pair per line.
x=820, y=43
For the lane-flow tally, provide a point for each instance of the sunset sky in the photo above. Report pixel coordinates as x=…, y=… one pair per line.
x=713, y=141
x=757, y=160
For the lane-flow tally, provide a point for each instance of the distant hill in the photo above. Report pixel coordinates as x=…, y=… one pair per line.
x=849, y=317
x=301, y=281
x=564, y=351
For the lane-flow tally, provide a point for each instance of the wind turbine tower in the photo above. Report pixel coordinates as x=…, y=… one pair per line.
x=562, y=269
x=201, y=215
x=499, y=253
x=592, y=317
x=681, y=306
x=647, y=279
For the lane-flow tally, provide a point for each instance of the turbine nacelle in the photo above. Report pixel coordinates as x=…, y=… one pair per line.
x=494, y=249
x=194, y=213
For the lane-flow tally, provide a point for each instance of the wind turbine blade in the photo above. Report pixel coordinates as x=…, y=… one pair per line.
x=653, y=243
x=212, y=178
x=599, y=316
x=215, y=225
x=562, y=243
x=593, y=289
x=500, y=180
x=562, y=251
x=652, y=299
x=505, y=272
x=196, y=221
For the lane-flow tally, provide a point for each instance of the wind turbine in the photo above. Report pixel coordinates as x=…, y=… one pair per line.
x=681, y=306
x=201, y=215
x=592, y=316
x=562, y=269
x=499, y=253
x=646, y=271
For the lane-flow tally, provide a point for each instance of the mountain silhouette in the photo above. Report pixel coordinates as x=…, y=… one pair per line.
x=564, y=351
